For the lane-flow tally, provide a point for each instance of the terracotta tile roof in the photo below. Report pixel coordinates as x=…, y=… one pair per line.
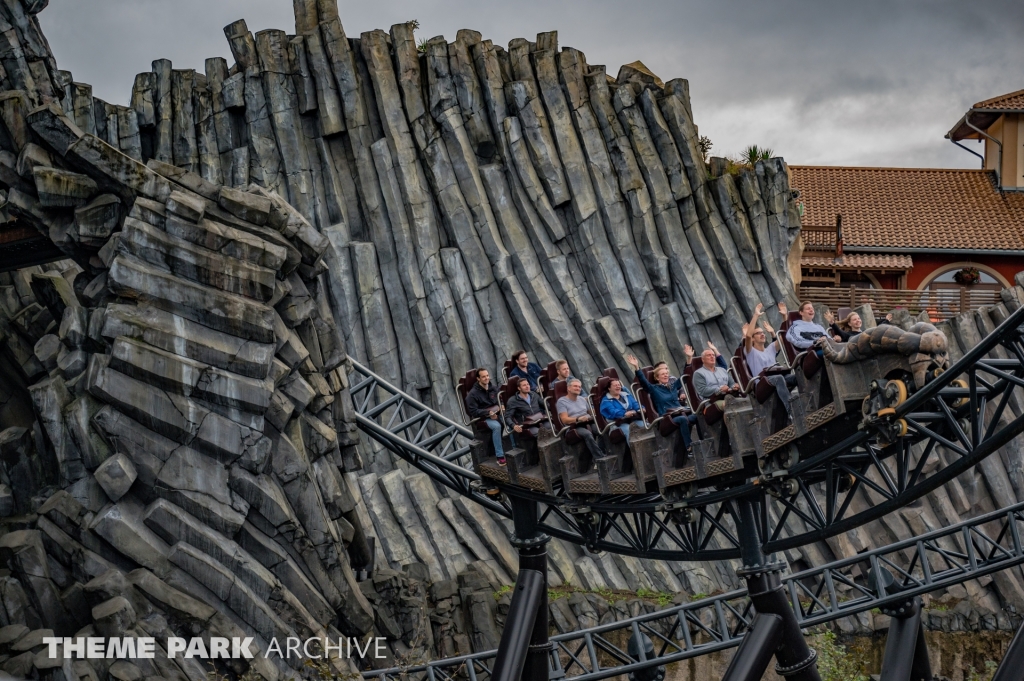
x=858, y=261
x=1013, y=101
x=911, y=207
x=984, y=113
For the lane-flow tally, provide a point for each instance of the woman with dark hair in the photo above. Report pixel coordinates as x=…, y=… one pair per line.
x=849, y=326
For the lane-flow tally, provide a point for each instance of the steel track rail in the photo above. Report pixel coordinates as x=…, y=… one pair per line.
x=951, y=555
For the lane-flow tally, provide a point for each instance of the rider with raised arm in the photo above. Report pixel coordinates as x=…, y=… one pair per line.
x=760, y=356
x=665, y=396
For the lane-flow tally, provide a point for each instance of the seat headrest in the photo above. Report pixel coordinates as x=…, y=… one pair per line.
x=561, y=389
x=611, y=372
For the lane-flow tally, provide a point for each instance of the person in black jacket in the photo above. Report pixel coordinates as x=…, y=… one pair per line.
x=522, y=409
x=523, y=367
x=482, y=403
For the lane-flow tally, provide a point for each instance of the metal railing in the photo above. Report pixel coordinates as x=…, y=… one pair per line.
x=938, y=559
x=941, y=304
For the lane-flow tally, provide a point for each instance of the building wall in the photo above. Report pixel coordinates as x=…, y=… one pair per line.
x=991, y=148
x=1019, y=155
x=1010, y=176
x=926, y=266
x=1008, y=129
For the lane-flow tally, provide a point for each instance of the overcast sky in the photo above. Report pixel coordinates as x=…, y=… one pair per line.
x=866, y=82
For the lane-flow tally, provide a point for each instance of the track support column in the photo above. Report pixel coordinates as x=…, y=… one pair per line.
x=532, y=545
x=794, y=659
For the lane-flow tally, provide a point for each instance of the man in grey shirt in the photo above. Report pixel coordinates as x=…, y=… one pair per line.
x=573, y=413
x=712, y=381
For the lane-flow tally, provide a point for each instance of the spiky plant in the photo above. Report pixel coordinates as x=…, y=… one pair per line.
x=752, y=154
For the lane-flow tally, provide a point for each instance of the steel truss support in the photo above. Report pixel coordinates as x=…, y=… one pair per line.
x=933, y=561
x=524, y=648
x=794, y=659
x=906, y=652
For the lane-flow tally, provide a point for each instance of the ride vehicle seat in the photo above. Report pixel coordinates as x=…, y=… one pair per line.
x=712, y=414
x=464, y=385
x=597, y=393
x=507, y=392
x=808, y=360
x=558, y=391
x=666, y=426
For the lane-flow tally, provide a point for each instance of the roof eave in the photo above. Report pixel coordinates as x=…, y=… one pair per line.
x=853, y=248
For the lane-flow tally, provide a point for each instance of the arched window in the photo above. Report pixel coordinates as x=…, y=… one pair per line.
x=945, y=278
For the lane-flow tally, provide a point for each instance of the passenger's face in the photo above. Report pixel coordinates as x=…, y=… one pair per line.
x=524, y=387
x=807, y=312
x=574, y=388
x=661, y=375
x=855, y=322
x=759, y=336
x=563, y=371
x=615, y=389
x=708, y=357
x=523, y=360
x=484, y=377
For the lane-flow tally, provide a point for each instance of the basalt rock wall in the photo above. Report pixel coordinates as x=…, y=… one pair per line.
x=477, y=199
x=178, y=451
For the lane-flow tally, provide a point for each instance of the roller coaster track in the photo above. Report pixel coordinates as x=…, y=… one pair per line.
x=949, y=430
x=936, y=560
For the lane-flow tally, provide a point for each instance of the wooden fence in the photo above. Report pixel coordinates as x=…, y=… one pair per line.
x=940, y=303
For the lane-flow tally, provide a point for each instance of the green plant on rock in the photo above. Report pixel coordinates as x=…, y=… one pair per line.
x=990, y=671
x=704, y=144
x=834, y=662
x=752, y=154
x=504, y=589
x=421, y=46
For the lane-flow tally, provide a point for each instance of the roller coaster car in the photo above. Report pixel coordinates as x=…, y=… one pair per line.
x=627, y=467
x=728, y=431
x=673, y=466
x=481, y=448
x=533, y=463
x=506, y=369
x=834, y=394
x=769, y=413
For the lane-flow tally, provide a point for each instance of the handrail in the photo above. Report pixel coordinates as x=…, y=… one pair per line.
x=940, y=303
x=921, y=564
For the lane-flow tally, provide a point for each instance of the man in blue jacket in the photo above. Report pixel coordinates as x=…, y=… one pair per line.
x=618, y=404
x=524, y=368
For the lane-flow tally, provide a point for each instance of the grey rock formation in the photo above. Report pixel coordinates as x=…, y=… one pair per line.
x=178, y=446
